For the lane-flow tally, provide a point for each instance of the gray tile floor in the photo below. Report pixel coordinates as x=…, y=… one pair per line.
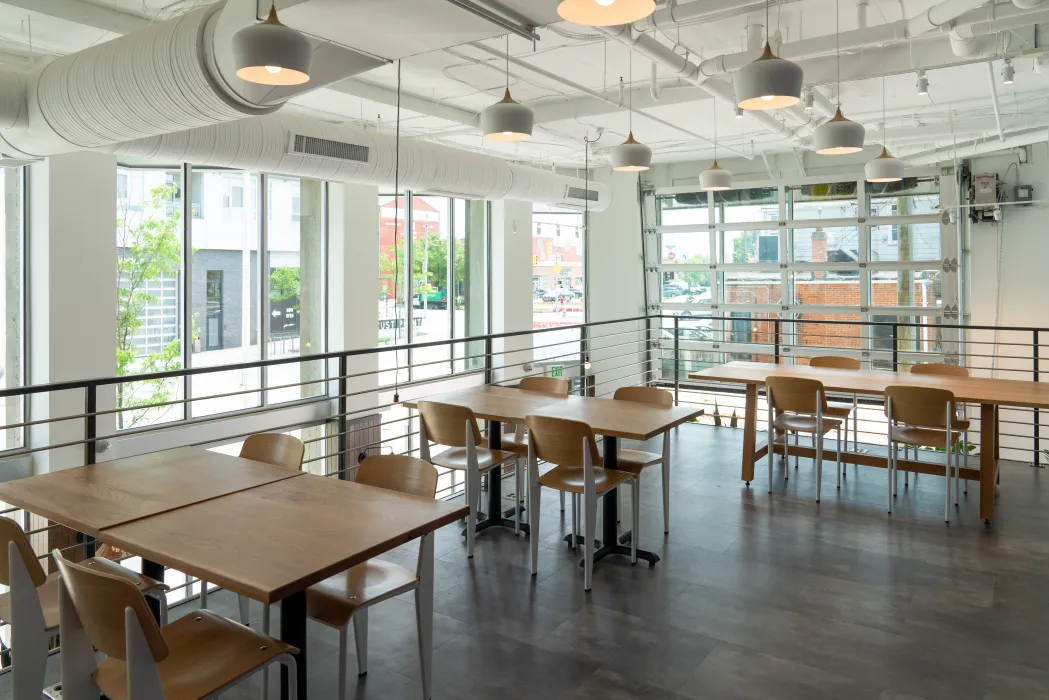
x=757, y=596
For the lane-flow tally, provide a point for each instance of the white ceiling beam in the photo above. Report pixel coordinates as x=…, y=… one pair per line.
x=85, y=13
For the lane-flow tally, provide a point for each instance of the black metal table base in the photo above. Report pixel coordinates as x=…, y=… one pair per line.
x=610, y=505
x=156, y=572
x=293, y=632
x=642, y=555
x=483, y=525
x=495, y=488
x=580, y=541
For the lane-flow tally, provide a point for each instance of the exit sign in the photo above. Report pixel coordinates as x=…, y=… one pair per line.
x=557, y=370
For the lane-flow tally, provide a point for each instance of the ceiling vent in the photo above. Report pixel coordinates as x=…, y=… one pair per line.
x=325, y=148
x=581, y=194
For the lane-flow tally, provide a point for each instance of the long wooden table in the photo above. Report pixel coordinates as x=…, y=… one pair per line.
x=259, y=530
x=990, y=394
x=607, y=417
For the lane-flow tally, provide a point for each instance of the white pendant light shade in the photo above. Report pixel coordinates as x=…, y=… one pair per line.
x=270, y=53
x=884, y=168
x=507, y=120
x=605, y=13
x=769, y=82
x=631, y=156
x=715, y=178
x=838, y=136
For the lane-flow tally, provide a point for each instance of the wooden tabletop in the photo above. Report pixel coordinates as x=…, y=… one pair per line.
x=499, y=403
x=94, y=497
x=624, y=419
x=1001, y=392
x=274, y=540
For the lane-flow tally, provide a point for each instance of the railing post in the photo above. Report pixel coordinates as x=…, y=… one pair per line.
x=895, y=347
x=488, y=361
x=677, y=366
x=90, y=451
x=342, y=422
x=584, y=380
x=776, y=329
x=1037, y=428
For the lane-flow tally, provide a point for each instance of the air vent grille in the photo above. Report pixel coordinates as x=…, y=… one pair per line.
x=580, y=193
x=325, y=148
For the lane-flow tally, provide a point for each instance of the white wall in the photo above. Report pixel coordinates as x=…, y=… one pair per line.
x=511, y=284
x=72, y=294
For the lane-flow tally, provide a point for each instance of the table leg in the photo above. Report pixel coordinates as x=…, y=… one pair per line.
x=496, y=518
x=610, y=516
x=750, y=433
x=988, y=459
x=156, y=572
x=293, y=631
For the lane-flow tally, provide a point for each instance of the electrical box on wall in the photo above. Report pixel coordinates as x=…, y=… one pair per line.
x=1023, y=194
x=984, y=197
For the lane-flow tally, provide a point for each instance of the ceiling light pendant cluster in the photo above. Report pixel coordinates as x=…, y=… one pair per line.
x=886, y=167
x=770, y=82
x=631, y=156
x=715, y=178
x=507, y=120
x=605, y=13
x=838, y=136
x=270, y=53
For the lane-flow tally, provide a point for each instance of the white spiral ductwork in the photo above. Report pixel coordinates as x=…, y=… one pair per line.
x=300, y=147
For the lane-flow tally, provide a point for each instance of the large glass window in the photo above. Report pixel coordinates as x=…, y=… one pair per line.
x=224, y=291
x=432, y=302
x=742, y=247
x=686, y=209
x=12, y=329
x=831, y=200
x=747, y=205
x=557, y=267
x=149, y=239
x=470, y=281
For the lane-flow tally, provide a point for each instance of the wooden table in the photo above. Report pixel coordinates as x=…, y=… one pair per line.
x=496, y=405
x=613, y=420
x=272, y=542
x=990, y=394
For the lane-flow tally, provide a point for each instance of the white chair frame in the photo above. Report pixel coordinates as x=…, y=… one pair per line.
x=817, y=438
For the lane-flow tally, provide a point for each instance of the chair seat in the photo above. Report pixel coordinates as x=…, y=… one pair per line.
x=519, y=446
x=455, y=458
x=48, y=590
x=838, y=411
x=570, y=479
x=922, y=437
x=634, y=461
x=334, y=600
x=803, y=424
x=206, y=652
x=960, y=423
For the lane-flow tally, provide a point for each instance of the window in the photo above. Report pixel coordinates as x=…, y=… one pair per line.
x=224, y=294
x=196, y=193
x=149, y=240
x=12, y=369
x=747, y=205
x=557, y=267
x=295, y=214
x=432, y=303
x=470, y=287
x=832, y=200
x=743, y=247
x=121, y=186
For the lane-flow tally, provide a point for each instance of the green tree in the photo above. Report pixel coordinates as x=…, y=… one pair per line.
x=696, y=278
x=284, y=284
x=149, y=249
x=432, y=248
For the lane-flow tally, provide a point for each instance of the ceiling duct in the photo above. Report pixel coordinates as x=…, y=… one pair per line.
x=300, y=147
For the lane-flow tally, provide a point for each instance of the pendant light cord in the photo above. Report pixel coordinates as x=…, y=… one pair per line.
x=883, y=129
x=837, y=47
x=507, y=64
x=397, y=226
x=767, y=22
x=629, y=91
x=714, y=107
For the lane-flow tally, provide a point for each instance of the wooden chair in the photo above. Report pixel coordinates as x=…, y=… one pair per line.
x=347, y=596
x=799, y=405
x=198, y=656
x=838, y=411
x=634, y=461
x=30, y=605
x=518, y=441
x=921, y=417
x=570, y=446
x=961, y=421
x=455, y=427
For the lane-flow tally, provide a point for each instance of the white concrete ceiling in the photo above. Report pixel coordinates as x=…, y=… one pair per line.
x=432, y=37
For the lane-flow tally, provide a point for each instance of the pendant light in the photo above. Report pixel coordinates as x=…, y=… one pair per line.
x=715, y=178
x=770, y=82
x=269, y=53
x=507, y=119
x=838, y=135
x=605, y=13
x=884, y=168
x=631, y=156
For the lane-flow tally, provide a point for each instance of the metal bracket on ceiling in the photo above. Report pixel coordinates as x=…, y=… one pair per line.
x=520, y=30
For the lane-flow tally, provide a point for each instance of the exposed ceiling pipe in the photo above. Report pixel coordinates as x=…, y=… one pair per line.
x=594, y=93
x=696, y=10
x=994, y=101
x=652, y=49
x=939, y=15
x=968, y=127
x=978, y=147
x=288, y=145
x=654, y=82
x=861, y=14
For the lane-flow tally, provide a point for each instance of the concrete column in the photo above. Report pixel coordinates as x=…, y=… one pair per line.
x=475, y=284
x=511, y=249
x=311, y=304
x=13, y=288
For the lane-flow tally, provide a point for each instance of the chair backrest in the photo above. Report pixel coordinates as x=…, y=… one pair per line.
x=11, y=532
x=795, y=394
x=402, y=473
x=560, y=441
x=644, y=394
x=100, y=600
x=551, y=385
x=445, y=423
x=274, y=448
x=920, y=406
x=834, y=362
x=939, y=369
